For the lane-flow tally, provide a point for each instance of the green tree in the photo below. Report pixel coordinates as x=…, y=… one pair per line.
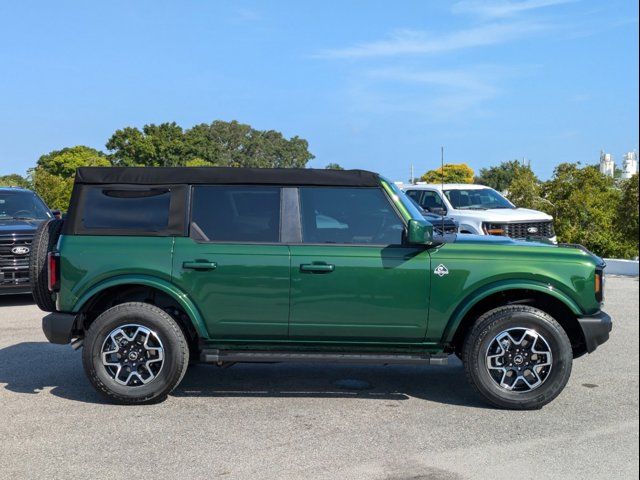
x=52, y=178
x=55, y=190
x=14, y=180
x=333, y=166
x=499, y=177
x=587, y=203
x=228, y=144
x=627, y=214
x=64, y=162
x=525, y=190
x=233, y=144
x=453, y=173
x=155, y=146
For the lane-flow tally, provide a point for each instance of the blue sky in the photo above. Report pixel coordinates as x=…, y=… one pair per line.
x=370, y=84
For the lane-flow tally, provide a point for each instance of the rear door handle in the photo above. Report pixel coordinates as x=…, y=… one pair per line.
x=196, y=265
x=317, y=267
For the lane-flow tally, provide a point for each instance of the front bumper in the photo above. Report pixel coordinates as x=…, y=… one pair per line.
x=596, y=329
x=58, y=327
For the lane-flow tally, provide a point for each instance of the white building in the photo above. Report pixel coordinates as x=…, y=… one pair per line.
x=629, y=165
x=607, y=165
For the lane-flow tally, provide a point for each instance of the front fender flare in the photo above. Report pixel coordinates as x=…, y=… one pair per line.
x=478, y=295
x=178, y=295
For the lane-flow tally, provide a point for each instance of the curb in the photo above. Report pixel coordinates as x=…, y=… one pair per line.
x=621, y=267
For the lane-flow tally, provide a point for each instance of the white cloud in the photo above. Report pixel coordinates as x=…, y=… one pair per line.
x=407, y=42
x=436, y=95
x=503, y=8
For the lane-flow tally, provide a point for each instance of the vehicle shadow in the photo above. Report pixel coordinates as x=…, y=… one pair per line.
x=31, y=367
x=16, y=300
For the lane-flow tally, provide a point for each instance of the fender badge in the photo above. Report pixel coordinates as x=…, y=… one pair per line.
x=441, y=270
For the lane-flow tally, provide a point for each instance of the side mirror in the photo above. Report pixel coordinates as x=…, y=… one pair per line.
x=420, y=232
x=438, y=211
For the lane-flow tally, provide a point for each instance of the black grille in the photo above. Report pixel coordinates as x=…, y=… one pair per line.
x=524, y=229
x=14, y=268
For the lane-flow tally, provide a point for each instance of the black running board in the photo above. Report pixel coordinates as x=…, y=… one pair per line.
x=221, y=357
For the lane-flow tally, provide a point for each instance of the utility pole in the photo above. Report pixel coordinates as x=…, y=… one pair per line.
x=411, y=178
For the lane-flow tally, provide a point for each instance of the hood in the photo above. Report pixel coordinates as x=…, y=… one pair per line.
x=564, y=250
x=507, y=215
x=9, y=226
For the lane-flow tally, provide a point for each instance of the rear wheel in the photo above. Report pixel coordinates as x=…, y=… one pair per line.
x=517, y=357
x=135, y=353
x=44, y=240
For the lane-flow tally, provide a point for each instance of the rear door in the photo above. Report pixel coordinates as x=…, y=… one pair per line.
x=233, y=264
x=352, y=278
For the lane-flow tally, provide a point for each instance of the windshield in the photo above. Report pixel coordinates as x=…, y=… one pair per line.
x=22, y=205
x=477, y=199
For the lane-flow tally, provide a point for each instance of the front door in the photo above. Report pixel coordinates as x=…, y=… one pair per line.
x=352, y=279
x=233, y=265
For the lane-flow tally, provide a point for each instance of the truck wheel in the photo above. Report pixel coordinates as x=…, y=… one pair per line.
x=135, y=353
x=517, y=357
x=44, y=240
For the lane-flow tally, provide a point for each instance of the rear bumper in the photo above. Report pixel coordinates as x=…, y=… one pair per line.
x=596, y=329
x=58, y=327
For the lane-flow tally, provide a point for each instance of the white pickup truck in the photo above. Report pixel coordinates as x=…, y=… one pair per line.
x=481, y=210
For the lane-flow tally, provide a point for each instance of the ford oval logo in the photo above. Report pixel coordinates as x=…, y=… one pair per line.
x=20, y=250
x=532, y=230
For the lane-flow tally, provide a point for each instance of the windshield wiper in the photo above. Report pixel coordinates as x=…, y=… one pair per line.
x=23, y=218
x=472, y=208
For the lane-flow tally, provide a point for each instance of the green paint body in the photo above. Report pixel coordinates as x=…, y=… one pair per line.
x=325, y=296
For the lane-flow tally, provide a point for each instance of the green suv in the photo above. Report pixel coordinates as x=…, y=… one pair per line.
x=156, y=268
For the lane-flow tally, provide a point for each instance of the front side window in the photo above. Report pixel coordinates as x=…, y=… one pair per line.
x=240, y=213
x=126, y=209
x=477, y=199
x=349, y=216
x=22, y=205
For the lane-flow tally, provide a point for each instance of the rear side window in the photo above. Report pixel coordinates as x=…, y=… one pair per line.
x=240, y=213
x=349, y=216
x=121, y=210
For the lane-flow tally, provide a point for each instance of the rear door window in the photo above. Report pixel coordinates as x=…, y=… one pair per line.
x=242, y=213
x=126, y=209
x=349, y=216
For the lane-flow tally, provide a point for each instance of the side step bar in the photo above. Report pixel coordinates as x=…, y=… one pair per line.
x=250, y=356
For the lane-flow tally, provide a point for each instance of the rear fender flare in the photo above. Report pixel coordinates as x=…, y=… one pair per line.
x=178, y=295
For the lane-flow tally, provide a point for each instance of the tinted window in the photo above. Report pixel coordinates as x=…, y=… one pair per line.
x=415, y=195
x=428, y=199
x=140, y=210
x=237, y=213
x=349, y=215
x=477, y=199
x=20, y=204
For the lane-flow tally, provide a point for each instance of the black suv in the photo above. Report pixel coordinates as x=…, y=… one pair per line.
x=21, y=211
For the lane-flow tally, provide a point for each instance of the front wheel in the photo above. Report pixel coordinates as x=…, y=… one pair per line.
x=517, y=357
x=135, y=353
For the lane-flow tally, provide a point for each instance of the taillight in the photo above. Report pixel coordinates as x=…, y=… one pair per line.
x=53, y=263
x=599, y=286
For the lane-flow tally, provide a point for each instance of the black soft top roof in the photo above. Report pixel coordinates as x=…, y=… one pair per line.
x=225, y=175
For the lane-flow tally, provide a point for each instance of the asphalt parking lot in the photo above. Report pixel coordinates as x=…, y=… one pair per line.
x=314, y=421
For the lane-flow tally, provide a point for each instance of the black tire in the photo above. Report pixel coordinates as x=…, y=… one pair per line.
x=481, y=336
x=44, y=240
x=173, y=368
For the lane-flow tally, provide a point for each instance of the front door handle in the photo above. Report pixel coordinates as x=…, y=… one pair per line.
x=317, y=267
x=196, y=265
